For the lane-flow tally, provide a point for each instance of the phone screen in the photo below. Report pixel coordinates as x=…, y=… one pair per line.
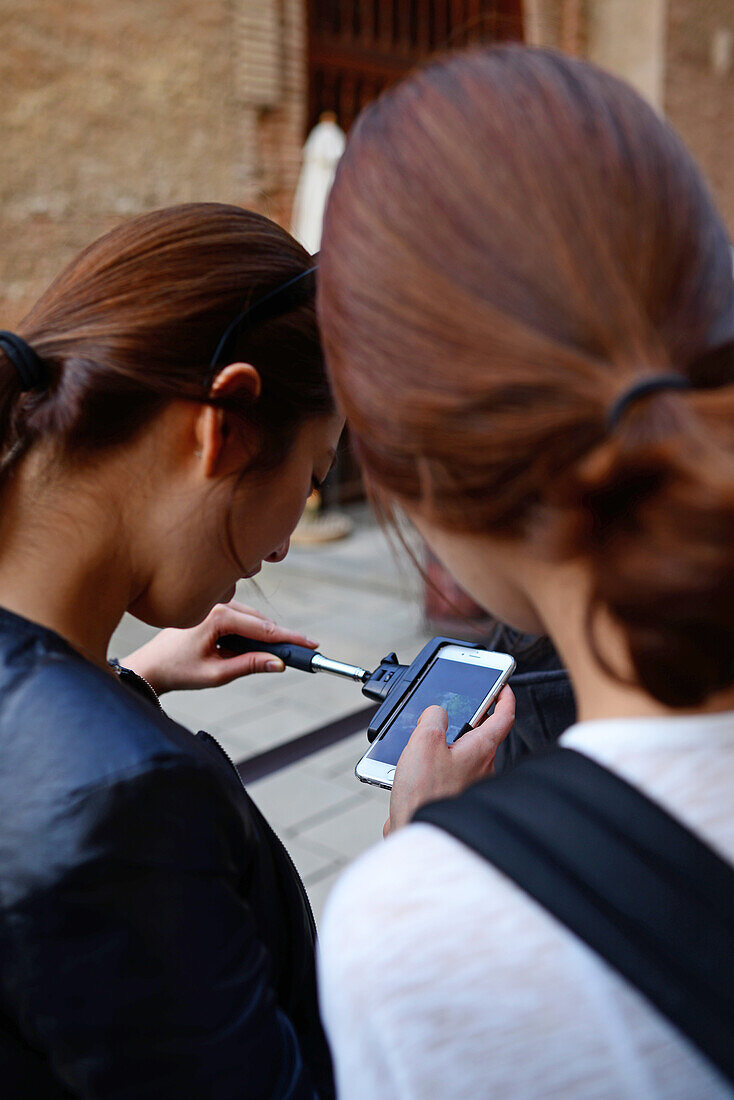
x=456, y=686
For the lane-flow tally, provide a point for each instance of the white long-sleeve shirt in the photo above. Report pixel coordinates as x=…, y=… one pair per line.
x=442, y=979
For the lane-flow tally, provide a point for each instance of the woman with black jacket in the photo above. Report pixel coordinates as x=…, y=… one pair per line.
x=164, y=413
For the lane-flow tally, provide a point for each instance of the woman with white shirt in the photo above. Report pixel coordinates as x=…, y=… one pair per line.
x=528, y=310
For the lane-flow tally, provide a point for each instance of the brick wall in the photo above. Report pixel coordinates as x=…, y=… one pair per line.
x=116, y=108
x=281, y=131
x=699, y=89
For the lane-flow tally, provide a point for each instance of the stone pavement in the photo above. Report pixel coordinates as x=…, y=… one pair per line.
x=359, y=602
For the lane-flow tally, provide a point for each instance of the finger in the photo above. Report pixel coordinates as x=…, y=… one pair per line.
x=386, y=829
x=432, y=726
x=485, y=739
x=429, y=734
x=266, y=630
x=247, y=610
x=246, y=664
x=229, y=620
x=272, y=632
x=499, y=723
x=504, y=709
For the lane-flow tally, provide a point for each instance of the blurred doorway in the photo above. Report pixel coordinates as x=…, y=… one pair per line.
x=356, y=49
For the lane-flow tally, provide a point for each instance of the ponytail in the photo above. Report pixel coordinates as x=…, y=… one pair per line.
x=651, y=511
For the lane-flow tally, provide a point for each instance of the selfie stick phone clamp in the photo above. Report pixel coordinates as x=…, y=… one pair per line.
x=387, y=685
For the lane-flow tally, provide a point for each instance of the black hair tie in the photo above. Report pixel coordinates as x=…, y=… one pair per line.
x=642, y=388
x=30, y=367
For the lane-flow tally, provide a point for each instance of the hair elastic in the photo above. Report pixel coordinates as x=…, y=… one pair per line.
x=641, y=389
x=30, y=367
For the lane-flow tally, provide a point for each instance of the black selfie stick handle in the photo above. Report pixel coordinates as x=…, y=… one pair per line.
x=295, y=656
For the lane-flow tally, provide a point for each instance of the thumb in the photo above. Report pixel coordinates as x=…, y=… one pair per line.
x=426, y=742
x=431, y=727
x=478, y=746
x=245, y=664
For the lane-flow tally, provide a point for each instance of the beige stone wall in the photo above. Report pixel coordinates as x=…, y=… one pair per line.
x=112, y=107
x=699, y=89
x=627, y=37
x=678, y=53
x=281, y=131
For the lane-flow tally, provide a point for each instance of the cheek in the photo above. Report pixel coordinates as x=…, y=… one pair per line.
x=484, y=579
x=495, y=593
x=506, y=602
x=264, y=521
x=296, y=504
x=286, y=507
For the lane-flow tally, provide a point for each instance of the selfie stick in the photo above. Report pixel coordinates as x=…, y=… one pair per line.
x=386, y=685
x=294, y=656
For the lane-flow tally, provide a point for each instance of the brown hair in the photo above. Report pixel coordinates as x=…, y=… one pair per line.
x=134, y=322
x=512, y=239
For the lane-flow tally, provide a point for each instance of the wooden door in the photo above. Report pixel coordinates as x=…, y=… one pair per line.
x=356, y=48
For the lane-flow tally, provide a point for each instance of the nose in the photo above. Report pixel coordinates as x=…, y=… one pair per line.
x=279, y=553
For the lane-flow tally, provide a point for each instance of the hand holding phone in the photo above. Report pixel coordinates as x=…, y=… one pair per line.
x=429, y=768
x=463, y=680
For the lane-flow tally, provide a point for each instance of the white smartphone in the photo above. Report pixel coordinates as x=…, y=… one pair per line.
x=465, y=682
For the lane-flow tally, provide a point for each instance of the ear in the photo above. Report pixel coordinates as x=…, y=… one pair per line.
x=223, y=451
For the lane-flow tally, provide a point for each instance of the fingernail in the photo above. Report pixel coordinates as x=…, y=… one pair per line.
x=274, y=666
x=312, y=641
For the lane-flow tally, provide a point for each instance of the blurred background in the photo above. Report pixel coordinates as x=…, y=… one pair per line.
x=112, y=108
x=109, y=109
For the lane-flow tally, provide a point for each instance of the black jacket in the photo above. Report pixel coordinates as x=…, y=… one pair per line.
x=155, y=939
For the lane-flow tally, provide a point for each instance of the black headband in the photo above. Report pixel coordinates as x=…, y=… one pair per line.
x=30, y=367
x=642, y=389
x=297, y=284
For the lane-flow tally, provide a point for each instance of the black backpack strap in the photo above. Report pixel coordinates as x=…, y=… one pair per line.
x=628, y=879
